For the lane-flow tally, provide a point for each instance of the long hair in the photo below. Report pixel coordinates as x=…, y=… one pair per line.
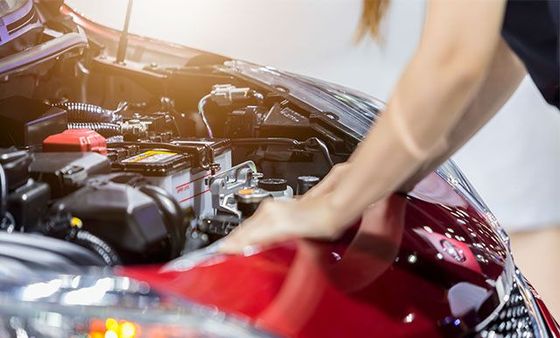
x=372, y=14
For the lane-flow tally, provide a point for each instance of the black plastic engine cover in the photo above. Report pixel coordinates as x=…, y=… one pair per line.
x=140, y=224
x=65, y=172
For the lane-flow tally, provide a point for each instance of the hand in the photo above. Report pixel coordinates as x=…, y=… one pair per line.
x=277, y=221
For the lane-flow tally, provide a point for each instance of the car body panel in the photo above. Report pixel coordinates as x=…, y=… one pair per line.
x=404, y=283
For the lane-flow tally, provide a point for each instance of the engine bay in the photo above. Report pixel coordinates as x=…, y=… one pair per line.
x=142, y=163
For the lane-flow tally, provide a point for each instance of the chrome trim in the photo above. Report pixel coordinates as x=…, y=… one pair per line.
x=532, y=307
x=503, y=287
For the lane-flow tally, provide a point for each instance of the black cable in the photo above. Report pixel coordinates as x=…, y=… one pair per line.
x=85, y=112
x=105, y=129
x=97, y=245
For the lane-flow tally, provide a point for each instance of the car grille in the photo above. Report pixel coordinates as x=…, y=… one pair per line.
x=513, y=321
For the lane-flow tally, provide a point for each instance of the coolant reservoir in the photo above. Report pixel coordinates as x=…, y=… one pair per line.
x=249, y=199
x=277, y=187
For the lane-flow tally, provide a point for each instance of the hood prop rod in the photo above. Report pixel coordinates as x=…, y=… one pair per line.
x=123, y=41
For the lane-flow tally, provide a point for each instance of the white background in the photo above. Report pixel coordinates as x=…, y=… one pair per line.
x=514, y=161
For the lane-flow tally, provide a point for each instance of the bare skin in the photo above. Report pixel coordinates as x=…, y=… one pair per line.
x=459, y=77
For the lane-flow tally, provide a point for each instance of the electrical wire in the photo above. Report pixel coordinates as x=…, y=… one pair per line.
x=96, y=244
x=201, y=104
x=105, y=129
x=313, y=142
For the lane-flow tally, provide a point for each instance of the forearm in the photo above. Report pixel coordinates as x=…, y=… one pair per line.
x=506, y=73
x=411, y=131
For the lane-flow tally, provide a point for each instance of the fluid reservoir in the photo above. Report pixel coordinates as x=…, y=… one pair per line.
x=277, y=187
x=249, y=199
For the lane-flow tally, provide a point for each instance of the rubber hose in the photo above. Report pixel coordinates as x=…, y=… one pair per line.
x=103, y=128
x=97, y=245
x=85, y=112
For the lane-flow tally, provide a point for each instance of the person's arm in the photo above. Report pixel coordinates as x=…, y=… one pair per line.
x=456, y=52
x=457, y=46
x=504, y=77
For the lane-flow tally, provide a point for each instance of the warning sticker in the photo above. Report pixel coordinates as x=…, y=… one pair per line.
x=151, y=156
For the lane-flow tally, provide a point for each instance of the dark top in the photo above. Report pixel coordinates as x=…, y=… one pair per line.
x=531, y=30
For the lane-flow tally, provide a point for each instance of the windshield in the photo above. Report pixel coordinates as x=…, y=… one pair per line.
x=354, y=110
x=8, y=6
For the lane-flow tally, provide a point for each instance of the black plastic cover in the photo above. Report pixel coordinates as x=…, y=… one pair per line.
x=66, y=172
x=27, y=122
x=16, y=166
x=142, y=226
x=28, y=204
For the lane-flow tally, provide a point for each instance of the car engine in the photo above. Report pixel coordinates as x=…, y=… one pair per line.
x=143, y=182
x=138, y=162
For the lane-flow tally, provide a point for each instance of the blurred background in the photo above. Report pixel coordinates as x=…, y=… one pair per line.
x=514, y=162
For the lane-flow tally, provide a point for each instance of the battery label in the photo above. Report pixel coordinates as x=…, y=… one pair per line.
x=151, y=156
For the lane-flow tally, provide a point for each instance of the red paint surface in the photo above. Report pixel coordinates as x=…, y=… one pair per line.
x=385, y=279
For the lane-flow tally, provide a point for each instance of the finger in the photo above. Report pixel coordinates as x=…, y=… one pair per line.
x=254, y=233
x=235, y=241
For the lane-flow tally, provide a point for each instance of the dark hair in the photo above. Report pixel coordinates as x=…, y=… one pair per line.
x=372, y=14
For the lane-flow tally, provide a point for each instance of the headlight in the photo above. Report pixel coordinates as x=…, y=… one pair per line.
x=105, y=306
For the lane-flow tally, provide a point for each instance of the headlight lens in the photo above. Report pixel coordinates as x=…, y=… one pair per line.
x=105, y=306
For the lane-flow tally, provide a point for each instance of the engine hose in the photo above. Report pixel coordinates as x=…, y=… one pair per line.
x=97, y=245
x=85, y=112
x=103, y=128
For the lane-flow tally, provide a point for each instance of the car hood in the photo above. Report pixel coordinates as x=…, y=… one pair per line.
x=420, y=265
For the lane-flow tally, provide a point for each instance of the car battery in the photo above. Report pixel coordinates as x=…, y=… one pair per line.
x=179, y=172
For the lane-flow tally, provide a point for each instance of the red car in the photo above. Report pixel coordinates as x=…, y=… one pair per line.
x=125, y=160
